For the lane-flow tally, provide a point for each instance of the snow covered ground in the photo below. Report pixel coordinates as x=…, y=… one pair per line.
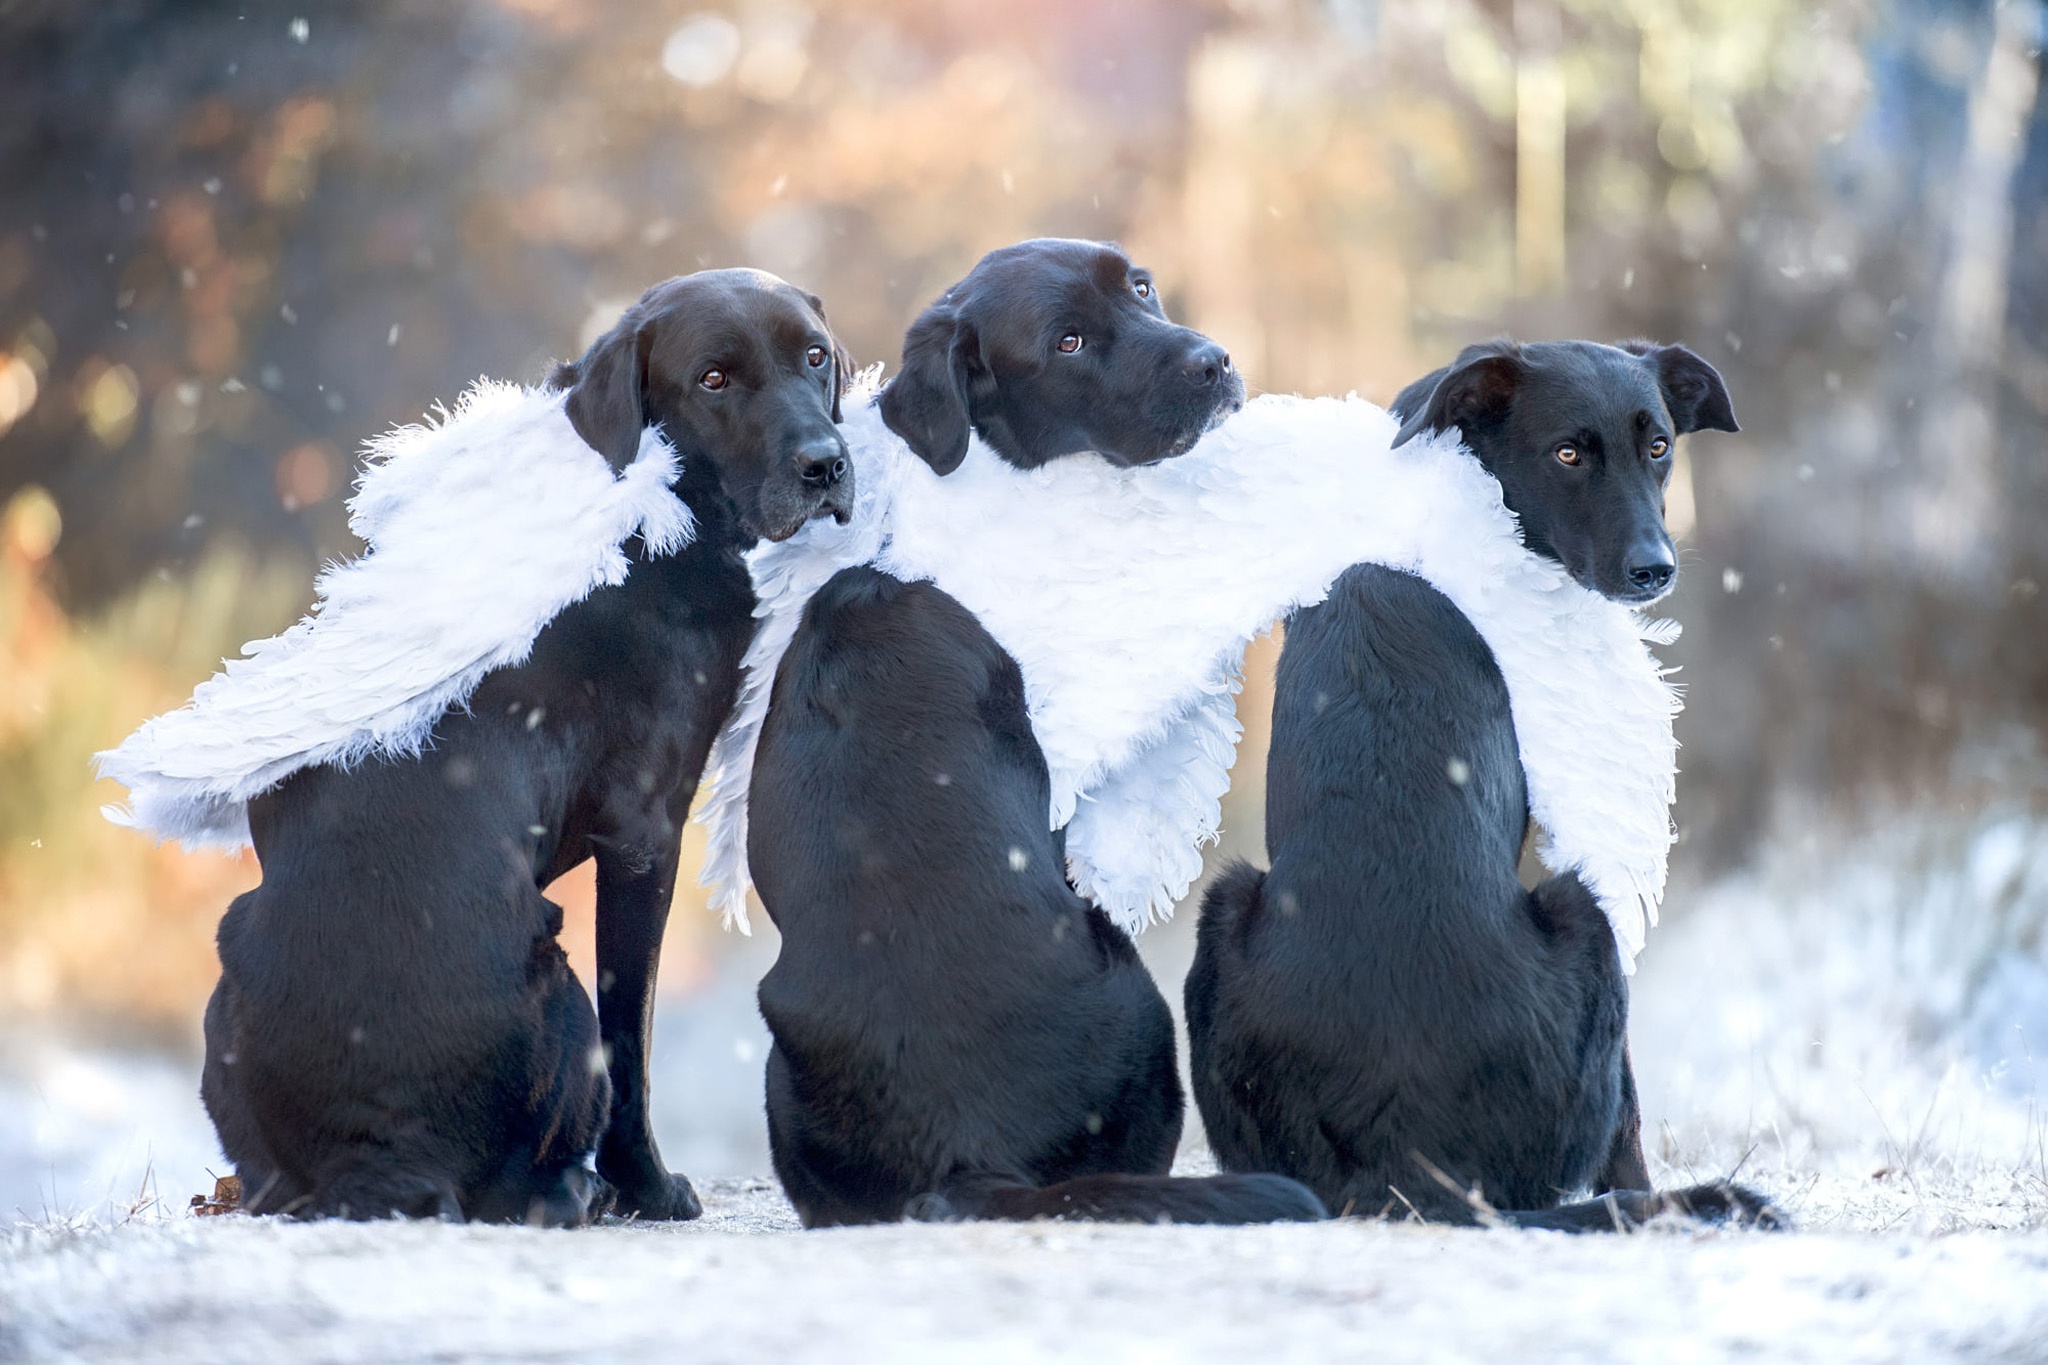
x=1851, y=1034
x=744, y=1285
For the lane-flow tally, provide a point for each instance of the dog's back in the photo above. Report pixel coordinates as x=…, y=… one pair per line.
x=1389, y=990
x=956, y=1032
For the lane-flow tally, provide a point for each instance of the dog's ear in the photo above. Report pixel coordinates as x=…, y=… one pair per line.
x=926, y=403
x=842, y=363
x=607, y=391
x=1476, y=390
x=1693, y=389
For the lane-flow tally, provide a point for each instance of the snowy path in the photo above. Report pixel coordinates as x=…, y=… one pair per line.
x=744, y=1285
x=1830, y=1053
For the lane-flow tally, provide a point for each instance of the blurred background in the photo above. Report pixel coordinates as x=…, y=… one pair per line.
x=237, y=238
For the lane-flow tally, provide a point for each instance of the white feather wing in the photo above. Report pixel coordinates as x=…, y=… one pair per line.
x=481, y=529
x=1127, y=597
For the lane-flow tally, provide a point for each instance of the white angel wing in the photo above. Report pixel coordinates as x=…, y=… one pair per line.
x=481, y=530
x=1127, y=597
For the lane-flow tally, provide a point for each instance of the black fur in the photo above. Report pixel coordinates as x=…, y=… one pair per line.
x=396, y=1030
x=1387, y=1015
x=957, y=1034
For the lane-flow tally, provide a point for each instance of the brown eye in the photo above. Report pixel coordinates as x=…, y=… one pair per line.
x=816, y=355
x=1569, y=455
x=1143, y=289
x=1070, y=343
x=713, y=380
x=1659, y=448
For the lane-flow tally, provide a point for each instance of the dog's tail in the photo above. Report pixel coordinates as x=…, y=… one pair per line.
x=1626, y=1210
x=371, y=1192
x=1118, y=1198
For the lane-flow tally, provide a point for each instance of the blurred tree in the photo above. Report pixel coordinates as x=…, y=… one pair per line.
x=235, y=239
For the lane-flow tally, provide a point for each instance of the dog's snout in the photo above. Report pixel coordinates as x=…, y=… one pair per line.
x=822, y=465
x=1206, y=365
x=1651, y=566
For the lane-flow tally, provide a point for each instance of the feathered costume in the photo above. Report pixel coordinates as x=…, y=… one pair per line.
x=1127, y=597
x=481, y=528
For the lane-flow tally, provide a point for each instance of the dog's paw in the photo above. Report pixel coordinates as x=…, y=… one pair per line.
x=1726, y=1202
x=668, y=1198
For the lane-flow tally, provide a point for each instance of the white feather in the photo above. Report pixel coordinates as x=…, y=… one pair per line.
x=481, y=529
x=1127, y=597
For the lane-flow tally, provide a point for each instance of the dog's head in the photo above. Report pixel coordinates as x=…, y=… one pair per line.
x=1580, y=436
x=1051, y=347
x=741, y=373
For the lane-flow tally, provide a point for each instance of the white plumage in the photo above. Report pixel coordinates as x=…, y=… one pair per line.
x=481, y=529
x=1127, y=597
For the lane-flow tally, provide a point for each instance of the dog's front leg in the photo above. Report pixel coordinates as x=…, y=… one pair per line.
x=632, y=912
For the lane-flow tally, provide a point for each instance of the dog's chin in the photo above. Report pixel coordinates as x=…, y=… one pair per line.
x=1224, y=409
x=1177, y=443
x=1638, y=598
x=783, y=524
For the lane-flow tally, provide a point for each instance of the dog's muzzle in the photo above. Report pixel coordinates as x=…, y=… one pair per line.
x=822, y=485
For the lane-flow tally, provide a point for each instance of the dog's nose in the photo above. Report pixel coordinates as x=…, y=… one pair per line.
x=1651, y=567
x=822, y=465
x=1207, y=365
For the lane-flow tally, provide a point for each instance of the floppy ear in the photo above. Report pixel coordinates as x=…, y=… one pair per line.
x=842, y=363
x=1474, y=391
x=607, y=391
x=1693, y=390
x=926, y=403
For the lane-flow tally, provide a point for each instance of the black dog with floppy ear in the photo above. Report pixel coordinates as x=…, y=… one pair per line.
x=607, y=387
x=401, y=907
x=1580, y=436
x=957, y=1033
x=1052, y=348
x=1491, y=1054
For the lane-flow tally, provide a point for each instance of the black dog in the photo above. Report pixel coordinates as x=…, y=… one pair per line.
x=957, y=1033
x=1387, y=1015
x=396, y=1030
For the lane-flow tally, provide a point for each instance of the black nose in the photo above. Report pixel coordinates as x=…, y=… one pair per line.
x=821, y=466
x=1206, y=365
x=1651, y=567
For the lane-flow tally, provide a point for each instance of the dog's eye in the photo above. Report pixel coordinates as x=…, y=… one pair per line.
x=1070, y=343
x=816, y=355
x=1143, y=289
x=713, y=380
x=1659, y=448
x=1569, y=455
